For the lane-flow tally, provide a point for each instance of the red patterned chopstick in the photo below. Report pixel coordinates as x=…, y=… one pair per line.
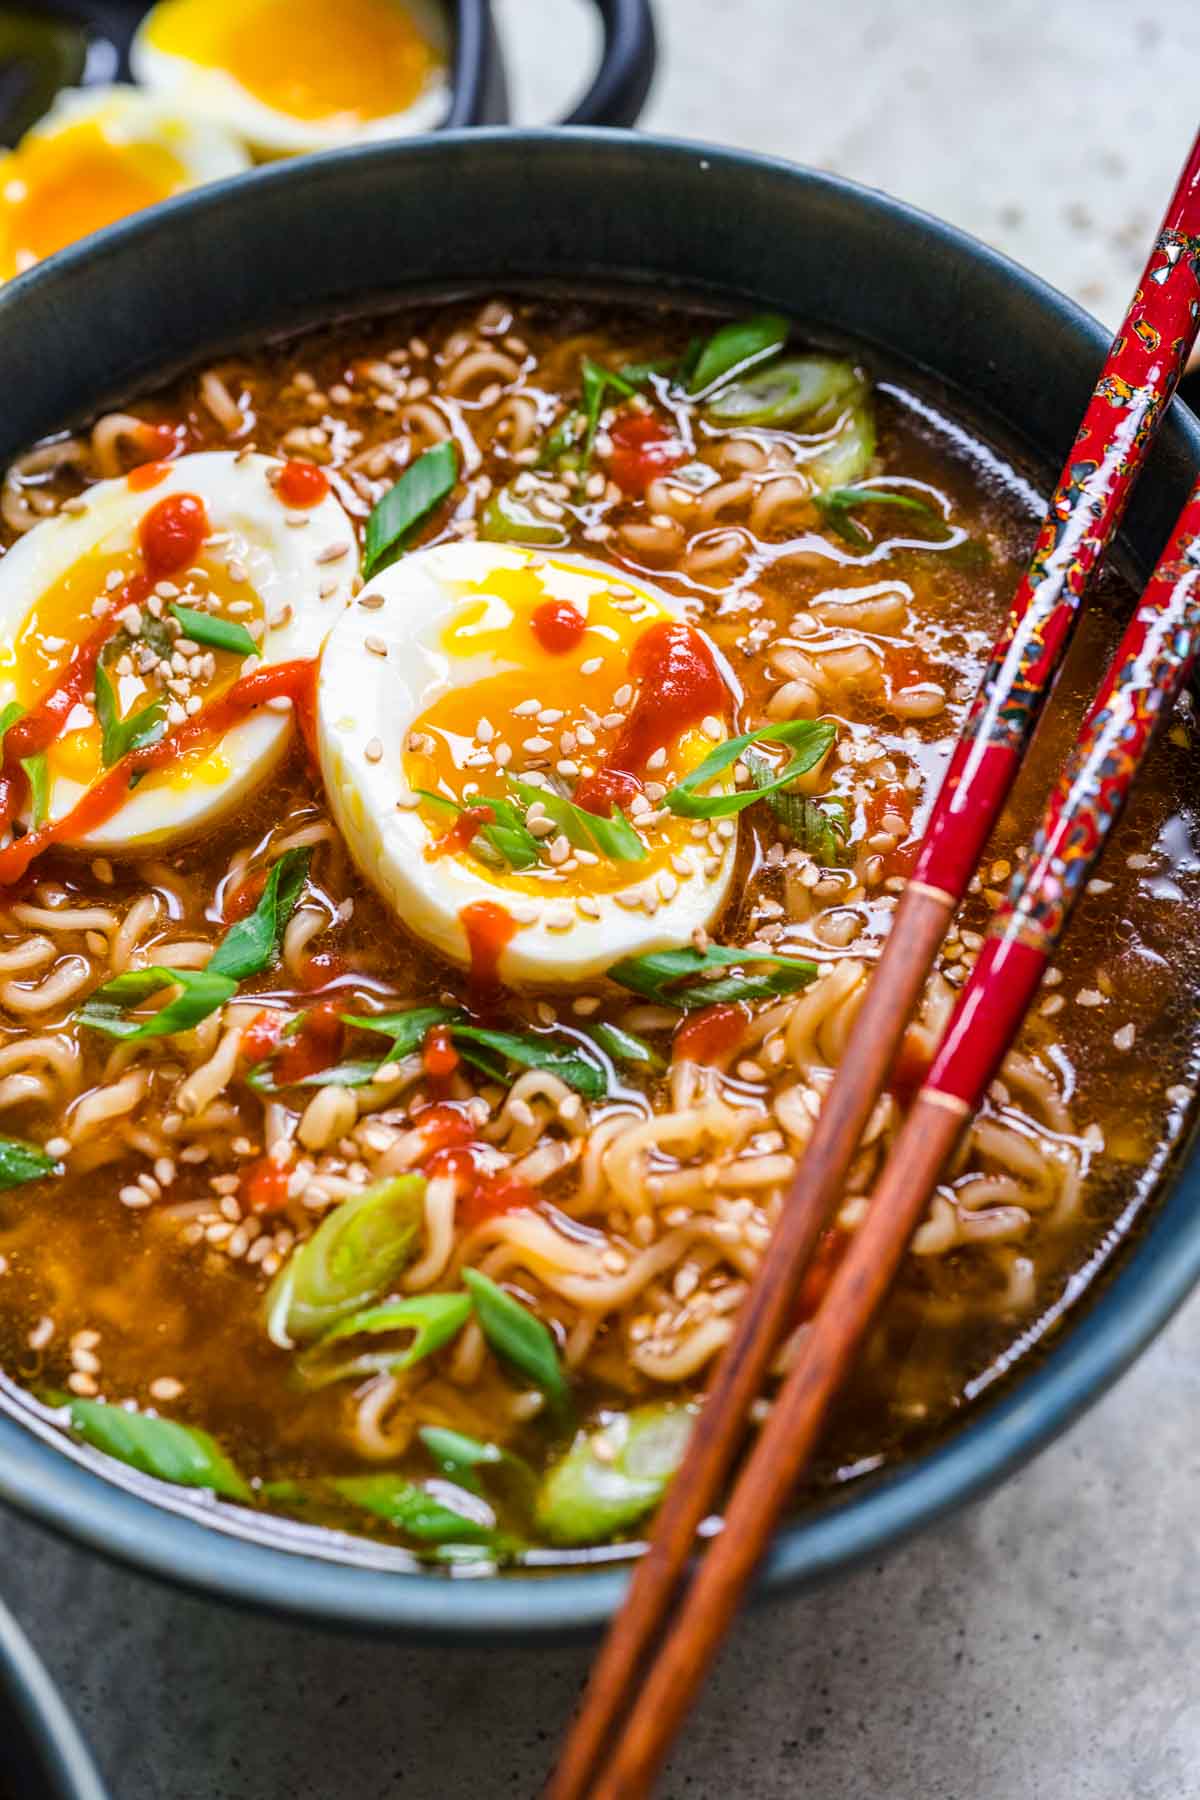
x=1135, y=385
x=1145, y=677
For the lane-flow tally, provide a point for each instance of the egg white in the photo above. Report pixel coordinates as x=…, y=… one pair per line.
x=217, y=95
x=367, y=703
x=129, y=117
x=303, y=575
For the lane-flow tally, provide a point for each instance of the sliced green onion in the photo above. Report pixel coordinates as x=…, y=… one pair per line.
x=161, y=1447
x=355, y=1253
x=839, y=503
x=480, y=1045
x=37, y=773
x=415, y=1510
x=21, y=1162
x=519, y=1337
x=432, y=1319
x=817, y=389
x=741, y=345
x=119, y=736
x=614, y=837
x=613, y=1476
x=820, y=827
x=252, y=944
x=506, y=519
x=201, y=993
x=809, y=739
x=213, y=632
x=671, y=977
x=624, y=1046
x=404, y=508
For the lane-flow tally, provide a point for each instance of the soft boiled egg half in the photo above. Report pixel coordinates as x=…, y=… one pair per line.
x=98, y=155
x=497, y=730
x=299, y=75
x=161, y=590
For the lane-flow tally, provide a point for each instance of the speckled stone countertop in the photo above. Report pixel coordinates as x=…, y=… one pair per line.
x=1041, y=1645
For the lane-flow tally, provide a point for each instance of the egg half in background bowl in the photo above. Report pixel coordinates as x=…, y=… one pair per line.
x=290, y=76
x=98, y=155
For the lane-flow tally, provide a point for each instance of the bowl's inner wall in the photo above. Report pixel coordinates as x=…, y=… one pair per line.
x=342, y=233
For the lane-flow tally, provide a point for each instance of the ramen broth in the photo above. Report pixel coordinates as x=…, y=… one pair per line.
x=630, y=1221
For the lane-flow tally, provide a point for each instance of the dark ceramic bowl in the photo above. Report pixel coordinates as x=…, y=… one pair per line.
x=42, y=1756
x=89, y=40
x=336, y=233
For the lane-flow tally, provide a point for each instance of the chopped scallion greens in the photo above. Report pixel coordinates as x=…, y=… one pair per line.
x=821, y=827
x=200, y=993
x=251, y=945
x=352, y=1257
x=674, y=977
x=809, y=739
x=837, y=505
x=519, y=1337
x=741, y=345
x=431, y=1319
x=182, y=1454
x=213, y=632
x=614, y=837
x=37, y=773
x=119, y=736
x=21, y=1162
x=404, y=508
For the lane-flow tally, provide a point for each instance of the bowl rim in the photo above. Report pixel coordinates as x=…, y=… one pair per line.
x=1130, y=1305
x=53, y=1736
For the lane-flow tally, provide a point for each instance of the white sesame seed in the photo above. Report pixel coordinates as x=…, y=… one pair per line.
x=592, y=666
x=332, y=553
x=133, y=1197
x=376, y=645
x=712, y=728
x=374, y=751
x=57, y=1147
x=537, y=746
x=41, y=1333
x=527, y=709
x=165, y=1387
x=1124, y=1036
x=372, y=599
x=585, y=1005
x=589, y=906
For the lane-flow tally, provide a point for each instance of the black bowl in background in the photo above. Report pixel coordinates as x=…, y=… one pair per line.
x=60, y=43
x=349, y=230
x=42, y=1756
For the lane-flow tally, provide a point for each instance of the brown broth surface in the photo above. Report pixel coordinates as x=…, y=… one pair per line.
x=166, y=1295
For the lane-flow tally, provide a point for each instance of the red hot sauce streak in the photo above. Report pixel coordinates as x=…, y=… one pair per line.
x=302, y=484
x=678, y=684
x=558, y=626
x=290, y=680
x=708, y=1035
x=172, y=534
x=489, y=928
x=469, y=822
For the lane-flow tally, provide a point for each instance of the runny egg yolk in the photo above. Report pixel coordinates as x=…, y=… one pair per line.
x=62, y=616
x=345, y=61
x=59, y=187
x=558, y=707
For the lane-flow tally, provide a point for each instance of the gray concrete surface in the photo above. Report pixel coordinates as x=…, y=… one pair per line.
x=1039, y=1647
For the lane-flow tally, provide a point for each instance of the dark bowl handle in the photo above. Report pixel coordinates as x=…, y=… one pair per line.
x=618, y=93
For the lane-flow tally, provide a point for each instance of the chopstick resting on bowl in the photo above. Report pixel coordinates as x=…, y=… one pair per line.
x=1135, y=385
x=1142, y=682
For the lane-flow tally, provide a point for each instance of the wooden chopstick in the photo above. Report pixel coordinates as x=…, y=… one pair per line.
x=1138, y=378
x=1143, y=681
